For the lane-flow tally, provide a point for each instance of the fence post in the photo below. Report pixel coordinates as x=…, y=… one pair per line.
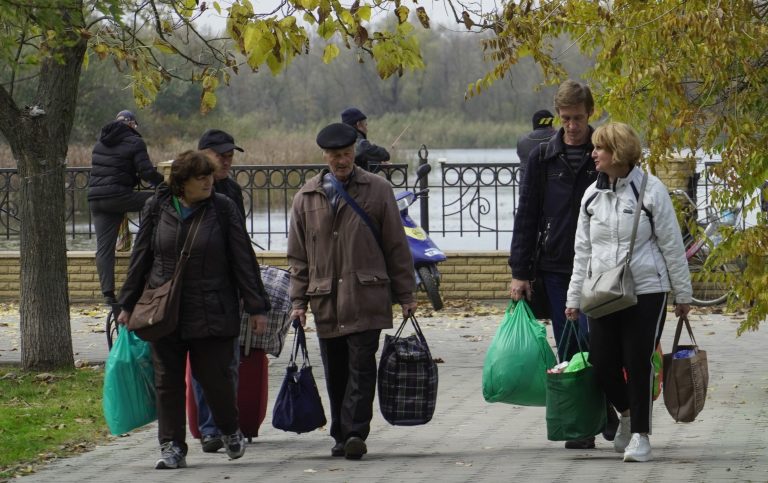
x=423, y=185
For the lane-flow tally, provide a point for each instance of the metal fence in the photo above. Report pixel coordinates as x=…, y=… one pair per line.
x=465, y=199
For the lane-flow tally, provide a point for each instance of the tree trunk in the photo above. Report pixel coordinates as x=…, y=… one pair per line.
x=39, y=135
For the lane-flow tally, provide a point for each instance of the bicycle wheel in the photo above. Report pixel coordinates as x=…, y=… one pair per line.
x=710, y=286
x=111, y=328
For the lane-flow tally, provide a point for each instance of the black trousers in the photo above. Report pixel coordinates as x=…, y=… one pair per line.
x=107, y=215
x=627, y=340
x=211, y=360
x=350, y=376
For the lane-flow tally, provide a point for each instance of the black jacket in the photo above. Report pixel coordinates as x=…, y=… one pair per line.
x=548, y=209
x=119, y=159
x=232, y=190
x=367, y=154
x=221, y=269
x=529, y=141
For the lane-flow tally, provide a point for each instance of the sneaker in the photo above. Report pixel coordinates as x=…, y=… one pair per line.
x=338, y=449
x=355, y=448
x=211, y=443
x=585, y=443
x=611, y=424
x=171, y=457
x=638, y=449
x=234, y=444
x=623, y=434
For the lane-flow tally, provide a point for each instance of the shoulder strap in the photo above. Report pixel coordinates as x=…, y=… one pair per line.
x=351, y=202
x=637, y=216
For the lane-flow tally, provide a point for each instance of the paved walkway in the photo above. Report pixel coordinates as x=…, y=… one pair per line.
x=469, y=439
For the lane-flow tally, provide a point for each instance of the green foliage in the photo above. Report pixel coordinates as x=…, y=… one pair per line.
x=688, y=75
x=45, y=415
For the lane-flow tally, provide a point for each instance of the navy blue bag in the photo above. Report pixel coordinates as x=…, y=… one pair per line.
x=298, y=407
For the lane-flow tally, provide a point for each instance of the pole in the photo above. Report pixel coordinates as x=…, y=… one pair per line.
x=424, y=184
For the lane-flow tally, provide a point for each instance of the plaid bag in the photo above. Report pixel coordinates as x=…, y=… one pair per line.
x=407, y=378
x=276, y=281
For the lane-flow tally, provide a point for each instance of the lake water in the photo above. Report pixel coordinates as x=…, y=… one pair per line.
x=501, y=210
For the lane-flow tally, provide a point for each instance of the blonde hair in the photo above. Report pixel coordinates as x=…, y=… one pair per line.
x=620, y=140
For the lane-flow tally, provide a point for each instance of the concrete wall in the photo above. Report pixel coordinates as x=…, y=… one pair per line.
x=476, y=275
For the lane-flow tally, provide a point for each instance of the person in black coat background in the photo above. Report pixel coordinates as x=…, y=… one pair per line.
x=367, y=155
x=119, y=159
x=542, y=132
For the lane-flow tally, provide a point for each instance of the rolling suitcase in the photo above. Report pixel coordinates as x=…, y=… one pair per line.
x=251, y=394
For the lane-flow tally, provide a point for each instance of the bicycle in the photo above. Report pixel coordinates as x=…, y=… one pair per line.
x=111, y=326
x=712, y=285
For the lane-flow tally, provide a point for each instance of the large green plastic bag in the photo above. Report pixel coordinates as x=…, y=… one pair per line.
x=517, y=360
x=129, y=384
x=575, y=402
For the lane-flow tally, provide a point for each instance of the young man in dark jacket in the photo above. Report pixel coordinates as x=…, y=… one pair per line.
x=552, y=185
x=119, y=159
x=367, y=155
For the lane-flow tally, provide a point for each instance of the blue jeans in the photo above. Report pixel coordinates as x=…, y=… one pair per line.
x=556, y=285
x=204, y=415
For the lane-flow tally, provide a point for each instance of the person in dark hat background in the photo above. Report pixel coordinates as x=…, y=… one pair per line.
x=221, y=146
x=367, y=155
x=542, y=132
x=118, y=161
x=339, y=268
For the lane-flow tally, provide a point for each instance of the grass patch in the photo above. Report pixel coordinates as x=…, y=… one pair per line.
x=48, y=415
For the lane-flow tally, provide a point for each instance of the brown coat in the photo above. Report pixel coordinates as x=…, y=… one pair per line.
x=336, y=263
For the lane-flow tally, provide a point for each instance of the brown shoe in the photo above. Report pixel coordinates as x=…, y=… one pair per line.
x=355, y=448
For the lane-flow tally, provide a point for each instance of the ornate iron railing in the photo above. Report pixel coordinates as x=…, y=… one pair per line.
x=466, y=199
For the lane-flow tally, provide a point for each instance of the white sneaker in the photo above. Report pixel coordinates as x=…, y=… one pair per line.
x=623, y=434
x=638, y=449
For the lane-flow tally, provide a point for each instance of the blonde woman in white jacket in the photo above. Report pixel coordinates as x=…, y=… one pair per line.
x=628, y=338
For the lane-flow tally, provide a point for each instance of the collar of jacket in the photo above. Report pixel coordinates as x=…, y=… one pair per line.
x=634, y=177
x=556, y=145
x=359, y=176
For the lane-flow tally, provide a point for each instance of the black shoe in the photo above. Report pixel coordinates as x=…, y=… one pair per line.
x=611, y=424
x=586, y=443
x=338, y=449
x=211, y=443
x=355, y=448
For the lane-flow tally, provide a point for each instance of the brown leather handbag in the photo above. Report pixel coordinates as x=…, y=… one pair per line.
x=156, y=314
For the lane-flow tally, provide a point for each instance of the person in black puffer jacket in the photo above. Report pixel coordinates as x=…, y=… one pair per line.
x=119, y=159
x=368, y=156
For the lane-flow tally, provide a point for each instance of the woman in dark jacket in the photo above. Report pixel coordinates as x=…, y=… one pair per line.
x=221, y=269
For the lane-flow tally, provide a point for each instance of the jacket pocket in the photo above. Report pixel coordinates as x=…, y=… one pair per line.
x=319, y=286
x=366, y=278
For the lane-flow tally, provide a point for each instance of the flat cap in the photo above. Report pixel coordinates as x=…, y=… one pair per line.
x=352, y=115
x=336, y=136
x=218, y=140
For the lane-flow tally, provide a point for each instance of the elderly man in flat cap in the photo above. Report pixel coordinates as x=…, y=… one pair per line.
x=367, y=155
x=348, y=270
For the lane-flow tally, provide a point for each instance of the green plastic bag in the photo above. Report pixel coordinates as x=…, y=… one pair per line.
x=129, y=384
x=517, y=360
x=575, y=403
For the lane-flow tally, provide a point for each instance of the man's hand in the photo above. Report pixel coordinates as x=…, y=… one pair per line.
x=258, y=323
x=519, y=289
x=124, y=317
x=300, y=314
x=682, y=310
x=408, y=309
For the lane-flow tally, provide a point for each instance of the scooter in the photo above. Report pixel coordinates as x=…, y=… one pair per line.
x=425, y=253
